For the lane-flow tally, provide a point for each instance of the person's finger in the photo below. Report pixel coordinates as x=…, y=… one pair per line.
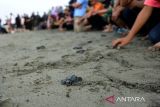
x=157, y=46
x=113, y=17
x=116, y=43
x=121, y=44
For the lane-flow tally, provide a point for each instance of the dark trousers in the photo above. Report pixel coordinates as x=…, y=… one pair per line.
x=97, y=22
x=129, y=16
x=154, y=34
x=2, y=30
x=68, y=26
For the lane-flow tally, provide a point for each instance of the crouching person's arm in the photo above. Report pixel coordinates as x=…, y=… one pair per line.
x=116, y=12
x=140, y=21
x=100, y=11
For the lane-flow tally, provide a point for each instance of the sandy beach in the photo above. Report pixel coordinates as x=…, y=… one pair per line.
x=32, y=65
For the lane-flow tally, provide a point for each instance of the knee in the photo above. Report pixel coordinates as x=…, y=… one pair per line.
x=126, y=13
x=154, y=37
x=154, y=34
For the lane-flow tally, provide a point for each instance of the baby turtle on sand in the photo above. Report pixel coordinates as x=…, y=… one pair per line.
x=80, y=51
x=103, y=35
x=89, y=41
x=71, y=80
x=77, y=47
x=40, y=47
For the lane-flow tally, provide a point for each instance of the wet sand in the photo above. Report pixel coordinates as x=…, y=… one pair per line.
x=32, y=65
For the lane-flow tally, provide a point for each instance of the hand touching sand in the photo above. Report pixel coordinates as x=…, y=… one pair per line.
x=141, y=19
x=121, y=42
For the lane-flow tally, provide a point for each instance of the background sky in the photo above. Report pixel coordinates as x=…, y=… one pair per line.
x=27, y=6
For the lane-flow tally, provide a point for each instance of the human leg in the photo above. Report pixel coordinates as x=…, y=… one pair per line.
x=154, y=34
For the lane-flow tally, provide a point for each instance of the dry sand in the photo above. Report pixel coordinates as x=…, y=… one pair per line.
x=32, y=64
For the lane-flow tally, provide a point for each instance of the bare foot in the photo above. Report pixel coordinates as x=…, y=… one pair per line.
x=61, y=30
x=106, y=27
x=156, y=47
x=108, y=30
x=57, y=23
x=87, y=28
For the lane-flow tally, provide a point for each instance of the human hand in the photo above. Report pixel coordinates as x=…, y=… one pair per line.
x=94, y=13
x=88, y=15
x=115, y=15
x=121, y=42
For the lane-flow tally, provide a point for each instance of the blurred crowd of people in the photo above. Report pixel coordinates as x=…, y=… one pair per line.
x=127, y=17
x=23, y=23
x=33, y=22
